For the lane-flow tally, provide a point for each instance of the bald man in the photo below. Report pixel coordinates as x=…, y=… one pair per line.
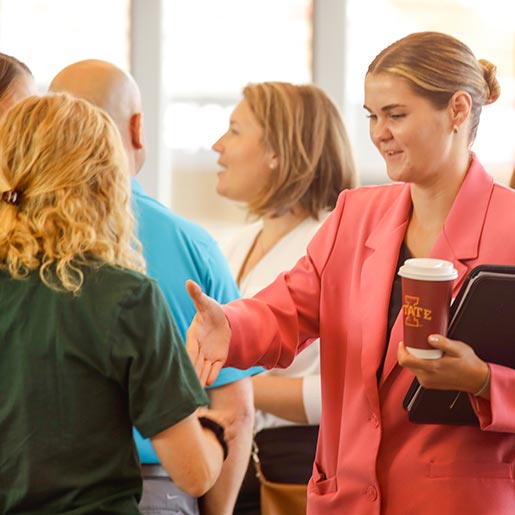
x=175, y=250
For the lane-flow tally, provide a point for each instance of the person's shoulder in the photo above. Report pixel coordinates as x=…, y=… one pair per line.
x=116, y=273
x=504, y=191
x=177, y=249
x=502, y=203
x=373, y=198
x=116, y=282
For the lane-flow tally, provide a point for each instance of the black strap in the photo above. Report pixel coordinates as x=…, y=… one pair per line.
x=218, y=431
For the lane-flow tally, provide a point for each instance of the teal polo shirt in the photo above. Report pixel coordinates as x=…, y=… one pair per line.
x=176, y=250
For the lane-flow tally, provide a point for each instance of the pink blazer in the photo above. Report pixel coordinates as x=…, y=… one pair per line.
x=370, y=459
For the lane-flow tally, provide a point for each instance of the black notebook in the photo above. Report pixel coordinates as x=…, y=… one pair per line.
x=483, y=316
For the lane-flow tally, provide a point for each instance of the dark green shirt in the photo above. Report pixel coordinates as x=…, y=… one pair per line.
x=76, y=373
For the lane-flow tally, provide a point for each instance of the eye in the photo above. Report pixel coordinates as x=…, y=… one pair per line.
x=371, y=116
x=397, y=116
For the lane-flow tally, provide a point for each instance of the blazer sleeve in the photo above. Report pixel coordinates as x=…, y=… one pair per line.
x=272, y=327
x=498, y=414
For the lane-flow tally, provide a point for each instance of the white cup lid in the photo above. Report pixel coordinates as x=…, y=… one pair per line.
x=428, y=269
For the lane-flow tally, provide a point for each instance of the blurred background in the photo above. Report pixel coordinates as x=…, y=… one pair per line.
x=192, y=58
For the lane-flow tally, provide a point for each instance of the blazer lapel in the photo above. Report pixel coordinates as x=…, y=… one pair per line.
x=377, y=273
x=460, y=237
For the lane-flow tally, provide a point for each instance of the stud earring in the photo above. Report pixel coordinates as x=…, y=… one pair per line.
x=271, y=166
x=455, y=129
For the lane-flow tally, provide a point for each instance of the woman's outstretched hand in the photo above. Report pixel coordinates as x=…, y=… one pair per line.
x=208, y=337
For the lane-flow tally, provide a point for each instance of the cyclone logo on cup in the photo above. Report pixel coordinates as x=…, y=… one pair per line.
x=414, y=315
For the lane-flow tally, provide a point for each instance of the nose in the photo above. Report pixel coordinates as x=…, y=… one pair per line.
x=217, y=145
x=379, y=131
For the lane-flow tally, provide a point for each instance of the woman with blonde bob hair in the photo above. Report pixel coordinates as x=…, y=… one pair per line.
x=312, y=161
x=287, y=157
x=88, y=346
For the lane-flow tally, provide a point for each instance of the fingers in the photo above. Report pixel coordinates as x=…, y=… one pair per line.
x=215, y=370
x=458, y=369
x=206, y=307
x=195, y=292
x=192, y=346
x=452, y=348
x=206, y=371
x=202, y=367
x=408, y=360
x=402, y=353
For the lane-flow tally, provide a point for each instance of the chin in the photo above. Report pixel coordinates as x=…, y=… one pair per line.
x=220, y=190
x=396, y=174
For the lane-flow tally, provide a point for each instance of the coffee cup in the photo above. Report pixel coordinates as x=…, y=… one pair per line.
x=426, y=298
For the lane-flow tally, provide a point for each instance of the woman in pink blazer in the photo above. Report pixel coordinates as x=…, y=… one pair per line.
x=424, y=95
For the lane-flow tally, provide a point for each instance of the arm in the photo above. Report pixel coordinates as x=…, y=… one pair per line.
x=234, y=400
x=280, y=396
x=163, y=390
x=270, y=328
x=295, y=393
x=191, y=455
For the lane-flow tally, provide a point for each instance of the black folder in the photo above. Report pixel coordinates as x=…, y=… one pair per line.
x=483, y=316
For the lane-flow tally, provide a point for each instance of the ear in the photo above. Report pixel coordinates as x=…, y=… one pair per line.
x=460, y=105
x=272, y=160
x=136, y=130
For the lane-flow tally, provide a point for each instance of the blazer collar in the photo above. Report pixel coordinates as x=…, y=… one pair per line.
x=461, y=234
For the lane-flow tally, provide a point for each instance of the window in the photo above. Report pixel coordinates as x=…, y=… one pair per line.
x=211, y=51
x=48, y=35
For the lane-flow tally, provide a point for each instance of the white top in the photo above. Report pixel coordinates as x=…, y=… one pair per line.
x=283, y=256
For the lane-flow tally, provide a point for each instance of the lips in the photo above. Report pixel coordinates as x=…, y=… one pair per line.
x=222, y=167
x=391, y=154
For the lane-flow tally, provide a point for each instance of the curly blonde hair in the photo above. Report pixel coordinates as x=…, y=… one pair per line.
x=64, y=159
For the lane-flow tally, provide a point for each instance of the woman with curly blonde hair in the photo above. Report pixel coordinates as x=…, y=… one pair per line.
x=88, y=346
x=66, y=196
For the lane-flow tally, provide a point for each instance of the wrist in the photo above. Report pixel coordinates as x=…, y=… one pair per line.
x=485, y=386
x=218, y=430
